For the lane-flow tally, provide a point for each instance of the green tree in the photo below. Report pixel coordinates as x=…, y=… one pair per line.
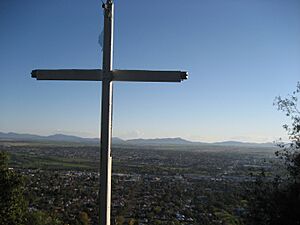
x=84, y=218
x=277, y=201
x=157, y=222
x=41, y=218
x=13, y=207
x=132, y=222
x=290, y=153
x=157, y=209
x=120, y=220
x=227, y=218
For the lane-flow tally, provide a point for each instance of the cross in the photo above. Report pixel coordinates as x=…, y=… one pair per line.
x=107, y=75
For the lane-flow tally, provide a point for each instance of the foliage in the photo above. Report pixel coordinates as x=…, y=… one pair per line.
x=277, y=200
x=227, y=218
x=12, y=203
x=132, y=222
x=84, y=218
x=120, y=220
x=290, y=153
x=13, y=206
x=42, y=218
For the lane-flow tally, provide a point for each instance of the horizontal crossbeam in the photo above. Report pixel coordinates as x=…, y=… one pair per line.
x=149, y=76
x=67, y=74
x=114, y=75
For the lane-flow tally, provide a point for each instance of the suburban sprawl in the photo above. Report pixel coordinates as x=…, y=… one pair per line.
x=161, y=184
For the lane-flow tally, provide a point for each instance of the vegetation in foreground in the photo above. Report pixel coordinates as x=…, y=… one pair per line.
x=277, y=201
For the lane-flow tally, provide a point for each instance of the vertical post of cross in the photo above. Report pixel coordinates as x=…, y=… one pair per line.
x=106, y=116
x=107, y=76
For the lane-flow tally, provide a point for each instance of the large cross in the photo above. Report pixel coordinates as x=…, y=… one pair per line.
x=107, y=75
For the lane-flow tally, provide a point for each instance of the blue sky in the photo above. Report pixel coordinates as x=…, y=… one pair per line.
x=240, y=54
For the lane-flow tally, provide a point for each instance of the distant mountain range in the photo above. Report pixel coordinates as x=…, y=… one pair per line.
x=118, y=141
x=56, y=137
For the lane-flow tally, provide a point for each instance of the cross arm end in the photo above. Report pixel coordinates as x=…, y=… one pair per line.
x=33, y=73
x=184, y=75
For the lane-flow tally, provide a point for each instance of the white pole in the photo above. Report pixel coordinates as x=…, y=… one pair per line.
x=106, y=117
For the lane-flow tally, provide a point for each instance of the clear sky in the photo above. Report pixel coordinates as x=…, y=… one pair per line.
x=240, y=54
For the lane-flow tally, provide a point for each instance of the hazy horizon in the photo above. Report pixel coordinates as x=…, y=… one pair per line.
x=148, y=138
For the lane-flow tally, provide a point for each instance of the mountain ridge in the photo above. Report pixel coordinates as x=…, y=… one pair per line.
x=11, y=136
